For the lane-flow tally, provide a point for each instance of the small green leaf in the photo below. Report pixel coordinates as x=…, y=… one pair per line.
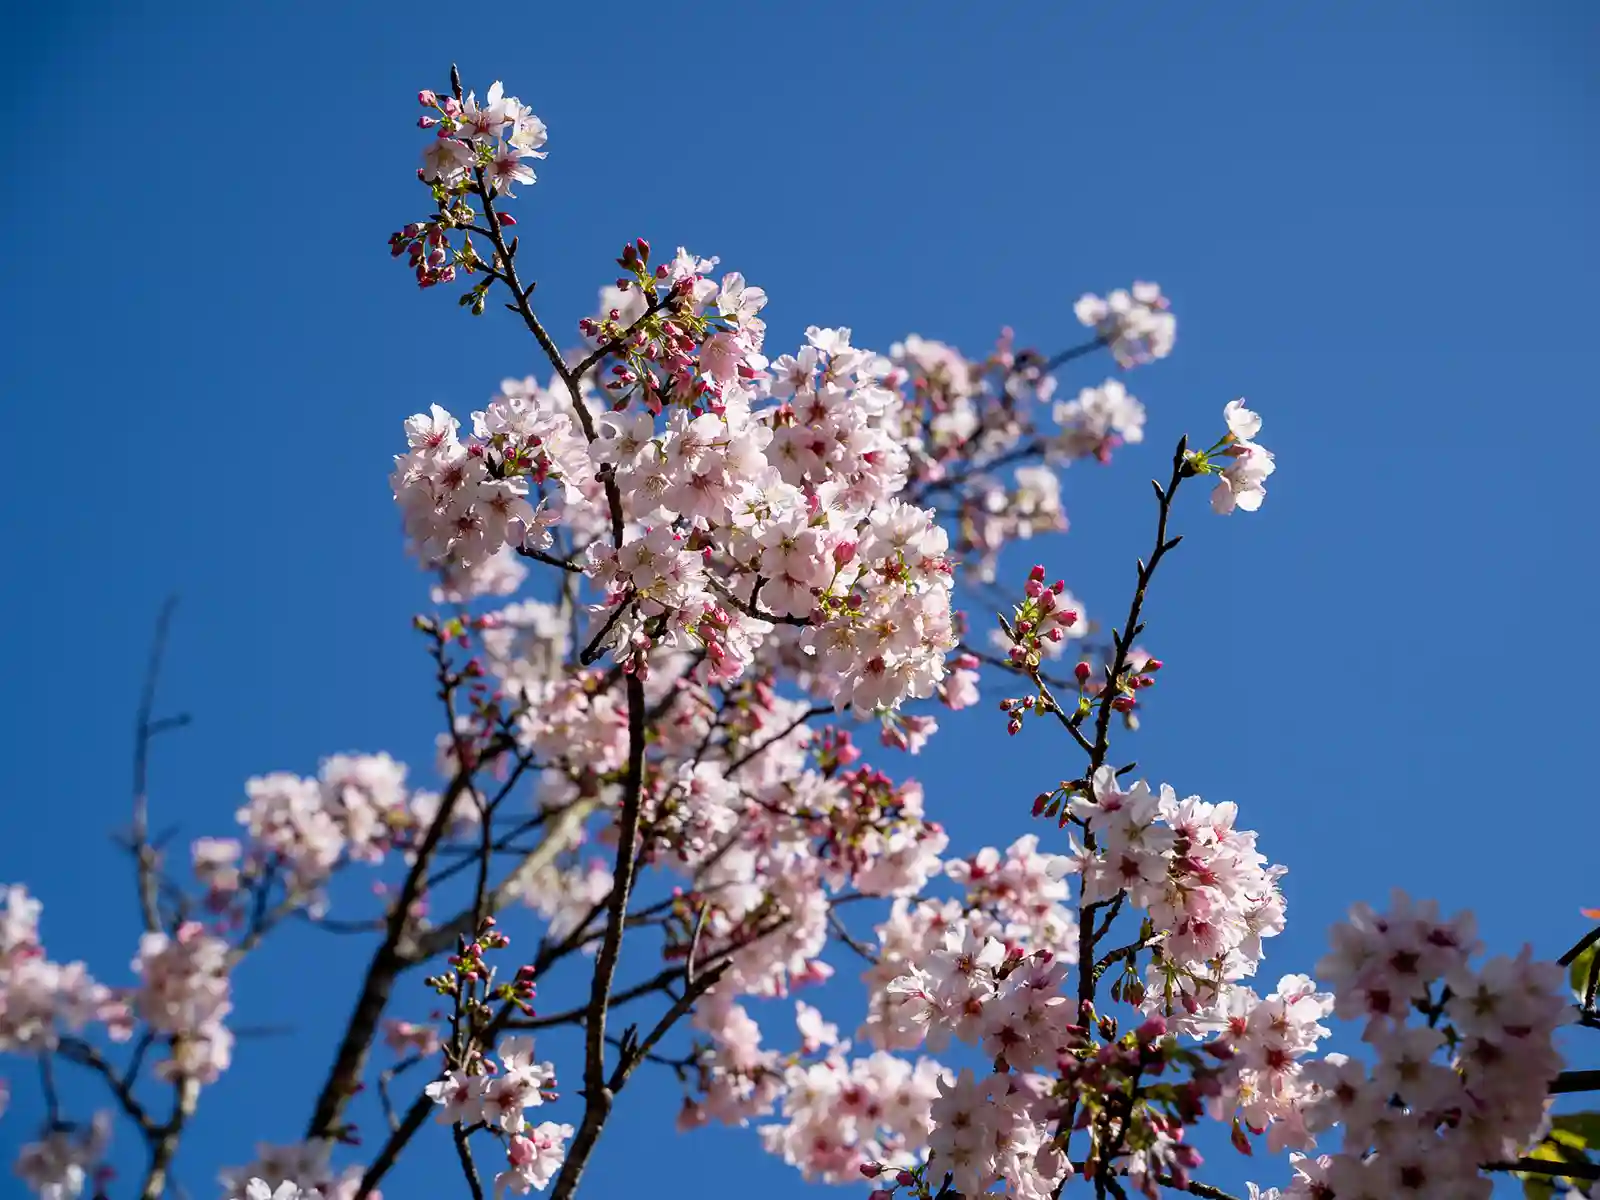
x=1581, y=1131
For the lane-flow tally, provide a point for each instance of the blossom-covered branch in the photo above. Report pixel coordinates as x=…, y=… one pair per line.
x=678, y=581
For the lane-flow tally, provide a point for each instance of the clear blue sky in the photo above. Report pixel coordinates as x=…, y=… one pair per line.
x=1371, y=219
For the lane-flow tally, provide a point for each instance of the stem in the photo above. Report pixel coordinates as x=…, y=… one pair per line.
x=597, y=1092
x=146, y=729
x=1122, y=644
x=468, y=1167
x=1575, y=1081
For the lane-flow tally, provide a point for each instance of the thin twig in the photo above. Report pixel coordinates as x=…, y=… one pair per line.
x=146, y=729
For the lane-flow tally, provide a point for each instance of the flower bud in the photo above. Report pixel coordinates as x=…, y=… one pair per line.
x=427, y=99
x=1081, y=672
x=427, y=122
x=1037, y=574
x=1152, y=1030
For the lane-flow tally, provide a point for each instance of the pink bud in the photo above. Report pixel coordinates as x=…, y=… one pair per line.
x=1082, y=672
x=507, y=219
x=1151, y=1030
x=1122, y=703
x=427, y=99
x=451, y=106
x=1153, y=665
x=1037, y=573
x=844, y=553
x=427, y=122
x=871, y=1170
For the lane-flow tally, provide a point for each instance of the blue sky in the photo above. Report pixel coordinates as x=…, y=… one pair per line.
x=1370, y=217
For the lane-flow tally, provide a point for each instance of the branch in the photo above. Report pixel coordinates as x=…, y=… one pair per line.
x=1122, y=644
x=79, y=1051
x=145, y=730
x=1068, y=355
x=562, y=833
x=506, y=269
x=1583, y=943
x=597, y=1094
x=1193, y=1187
x=655, y=304
x=165, y=1144
x=388, y=961
x=550, y=559
x=1541, y=1166
x=468, y=1167
x=849, y=939
x=750, y=610
x=1575, y=1081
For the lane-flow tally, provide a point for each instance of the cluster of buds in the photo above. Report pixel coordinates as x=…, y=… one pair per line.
x=471, y=153
x=891, y=1179
x=430, y=254
x=1037, y=620
x=1117, y=1094
x=1137, y=674
x=873, y=809
x=1016, y=707
x=1057, y=803
x=653, y=336
x=486, y=710
x=471, y=979
x=835, y=750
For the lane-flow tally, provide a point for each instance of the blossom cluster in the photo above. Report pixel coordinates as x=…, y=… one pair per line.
x=39, y=998
x=971, y=428
x=358, y=809
x=1136, y=324
x=499, y=1095
x=493, y=142
x=1242, y=483
x=62, y=1163
x=298, y=1171
x=840, y=1114
x=1462, y=1055
x=185, y=994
